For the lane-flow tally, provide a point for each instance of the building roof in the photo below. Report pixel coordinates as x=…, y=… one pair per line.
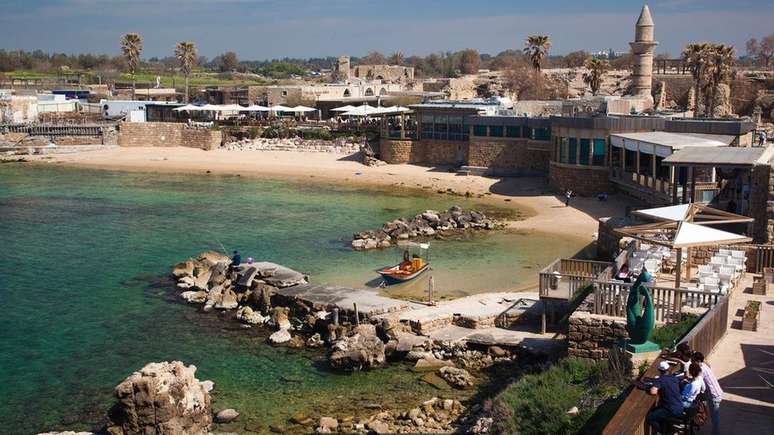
x=721, y=156
x=677, y=141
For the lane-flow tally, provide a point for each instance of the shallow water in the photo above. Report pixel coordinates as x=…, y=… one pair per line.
x=82, y=253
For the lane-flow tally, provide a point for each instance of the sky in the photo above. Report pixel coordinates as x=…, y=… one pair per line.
x=267, y=29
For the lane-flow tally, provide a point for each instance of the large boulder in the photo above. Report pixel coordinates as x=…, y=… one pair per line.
x=161, y=398
x=247, y=315
x=194, y=297
x=358, y=352
x=280, y=337
x=228, y=300
x=226, y=416
x=184, y=268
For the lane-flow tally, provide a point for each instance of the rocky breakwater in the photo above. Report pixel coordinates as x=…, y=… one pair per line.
x=161, y=398
x=427, y=225
x=336, y=146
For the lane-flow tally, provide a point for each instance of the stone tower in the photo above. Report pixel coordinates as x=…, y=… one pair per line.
x=343, y=68
x=642, y=49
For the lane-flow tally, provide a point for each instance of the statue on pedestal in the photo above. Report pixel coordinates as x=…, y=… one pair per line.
x=640, y=316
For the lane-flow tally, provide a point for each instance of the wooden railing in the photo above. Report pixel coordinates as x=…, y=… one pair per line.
x=577, y=274
x=609, y=299
x=630, y=417
x=759, y=257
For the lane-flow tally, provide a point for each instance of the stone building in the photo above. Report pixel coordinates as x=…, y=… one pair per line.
x=388, y=73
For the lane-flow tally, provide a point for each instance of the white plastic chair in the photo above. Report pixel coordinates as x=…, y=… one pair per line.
x=718, y=259
x=724, y=252
x=738, y=263
x=652, y=265
x=738, y=254
x=726, y=279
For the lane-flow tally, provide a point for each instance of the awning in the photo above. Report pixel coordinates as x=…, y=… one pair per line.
x=722, y=157
x=671, y=213
x=689, y=235
x=663, y=144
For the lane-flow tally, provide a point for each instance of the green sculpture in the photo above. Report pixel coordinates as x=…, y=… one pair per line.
x=640, y=318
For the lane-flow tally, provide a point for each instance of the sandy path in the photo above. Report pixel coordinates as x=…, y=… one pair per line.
x=546, y=212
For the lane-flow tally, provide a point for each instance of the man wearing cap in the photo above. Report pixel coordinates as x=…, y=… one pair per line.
x=667, y=388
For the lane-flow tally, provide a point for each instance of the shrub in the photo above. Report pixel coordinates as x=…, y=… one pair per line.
x=270, y=133
x=538, y=403
x=252, y=132
x=317, y=133
x=667, y=335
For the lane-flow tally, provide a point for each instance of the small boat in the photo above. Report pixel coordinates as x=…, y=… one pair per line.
x=411, y=267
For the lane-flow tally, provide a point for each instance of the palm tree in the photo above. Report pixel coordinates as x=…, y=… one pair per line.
x=597, y=69
x=396, y=58
x=536, y=47
x=131, y=46
x=696, y=56
x=185, y=52
x=719, y=68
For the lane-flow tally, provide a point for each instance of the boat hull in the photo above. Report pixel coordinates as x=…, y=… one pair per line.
x=391, y=277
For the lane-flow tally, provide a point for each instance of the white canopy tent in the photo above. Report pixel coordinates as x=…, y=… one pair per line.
x=688, y=235
x=670, y=213
x=364, y=110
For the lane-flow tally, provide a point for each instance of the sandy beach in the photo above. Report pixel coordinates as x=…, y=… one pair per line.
x=546, y=212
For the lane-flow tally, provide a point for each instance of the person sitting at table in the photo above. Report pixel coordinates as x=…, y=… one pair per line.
x=624, y=273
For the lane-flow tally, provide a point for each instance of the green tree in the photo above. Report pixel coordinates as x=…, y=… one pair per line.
x=597, y=68
x=720, y=65
x=536, y=48
x=131, y=47
x=396, y=58
x=228, y=62
x=185, y=52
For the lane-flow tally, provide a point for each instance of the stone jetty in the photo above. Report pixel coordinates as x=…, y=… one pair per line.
x=427, y=225
x=335, y=146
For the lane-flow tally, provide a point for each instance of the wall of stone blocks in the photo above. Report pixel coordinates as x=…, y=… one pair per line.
x=582, y=180
x=519, y=155
x=422, y=152
x=592, y=336
x=167, y=134
x=762, y=204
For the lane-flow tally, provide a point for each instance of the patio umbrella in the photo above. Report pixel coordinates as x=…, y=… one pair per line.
x=302, y=109
x=346, y=108
x=256, y=108
x=689, y=235
x=364, y=110
x=188, y=108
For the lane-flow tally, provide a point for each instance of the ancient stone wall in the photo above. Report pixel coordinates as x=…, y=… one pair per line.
x=582, y=180
x=762, y=204
x=591, y=336
x=423, y=152
x=395, y=151
x=167, y=134
x=522, y=156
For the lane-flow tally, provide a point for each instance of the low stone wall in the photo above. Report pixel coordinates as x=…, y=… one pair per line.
x=395, y=152
x=762, y=204
x=520, y=156
x=592, y=336
x=422, y=152
x=582, y=180
x=77, y=140
x=336, y=146
x=167, y=134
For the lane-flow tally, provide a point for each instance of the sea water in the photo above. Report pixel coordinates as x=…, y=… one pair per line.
x=84, y=302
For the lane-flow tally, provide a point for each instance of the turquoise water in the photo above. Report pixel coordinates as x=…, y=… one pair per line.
x=83, y=302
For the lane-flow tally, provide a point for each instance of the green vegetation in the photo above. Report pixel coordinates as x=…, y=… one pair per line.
x=666, y=335
x=539, y=403
x=317, y=133
x=281, y=70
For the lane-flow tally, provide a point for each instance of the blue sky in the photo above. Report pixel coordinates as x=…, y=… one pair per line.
x=261, y=29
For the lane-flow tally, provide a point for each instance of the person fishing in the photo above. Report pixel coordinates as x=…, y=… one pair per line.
x=236, y=260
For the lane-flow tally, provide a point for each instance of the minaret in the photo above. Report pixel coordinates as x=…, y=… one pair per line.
x=642, y=49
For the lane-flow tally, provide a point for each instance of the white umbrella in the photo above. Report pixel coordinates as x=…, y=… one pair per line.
x=256, y=108
x=689, y=235
x=280, y=108
x=392, y=110
x=301, y=109
x=346, y=108
x=231, y=108
x=669, y=213
x=364, y=110
x=210, y=108
x=188, y=108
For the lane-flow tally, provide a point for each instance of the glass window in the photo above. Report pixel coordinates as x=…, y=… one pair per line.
x=631, y=161
x=441, y=127
x=496, y=130
x=455, y=128
x=541, y=134
x=598, y=155
x=513, y=131
x=563, y=150
x=427, y=126
x=585, y=151
x=572, y=152
x=479, y=130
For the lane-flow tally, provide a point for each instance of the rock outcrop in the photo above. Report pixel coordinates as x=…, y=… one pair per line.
x=161, y=398
x=456, y=377
x=429, y=224
x=361, y=351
